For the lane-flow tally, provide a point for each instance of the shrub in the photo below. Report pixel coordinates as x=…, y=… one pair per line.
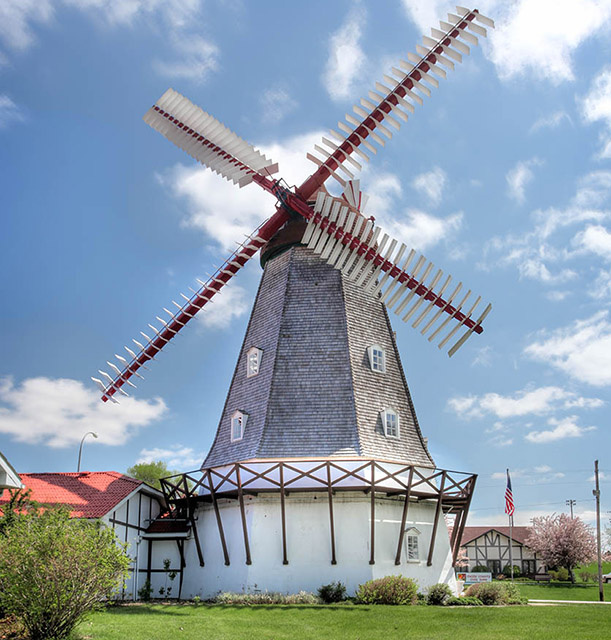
x=494, y=593
x=388, y=590
x=561, y=574
x=54, y=570
x=507, y=571
x=465, y=601
x=480, y=568
x=513, y=594
x=488, y=592
x=586, y=576
x=266, y=597
x=438, y=594
x=145, y=591
x=333, y=592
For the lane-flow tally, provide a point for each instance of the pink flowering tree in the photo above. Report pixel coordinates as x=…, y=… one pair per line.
x=562, y=541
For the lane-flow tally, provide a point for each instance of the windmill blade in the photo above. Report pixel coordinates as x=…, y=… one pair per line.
x=399, y=95
x=185, y=312
x=206, y=139
x=363, y=253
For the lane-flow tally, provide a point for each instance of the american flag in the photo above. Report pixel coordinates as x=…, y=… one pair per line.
x=509, y=507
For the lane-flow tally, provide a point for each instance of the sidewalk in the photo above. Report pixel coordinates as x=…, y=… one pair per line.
x=552, y=602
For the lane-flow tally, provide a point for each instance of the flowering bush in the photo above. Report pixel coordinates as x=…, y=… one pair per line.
x=267, y=597
x=388, y=590
x=562, y=541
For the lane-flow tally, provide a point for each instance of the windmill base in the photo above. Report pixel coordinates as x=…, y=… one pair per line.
x=316, y=549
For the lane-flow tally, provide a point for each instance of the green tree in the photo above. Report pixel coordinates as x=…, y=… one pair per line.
x=55, y=569
x=150, y=472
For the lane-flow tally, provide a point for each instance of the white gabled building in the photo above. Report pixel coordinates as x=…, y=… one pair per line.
x=123, y=503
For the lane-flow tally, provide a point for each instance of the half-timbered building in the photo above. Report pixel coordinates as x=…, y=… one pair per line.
x=489, y=547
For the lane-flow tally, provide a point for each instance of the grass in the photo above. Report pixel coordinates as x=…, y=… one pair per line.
x=564, y=591
x=305, y=622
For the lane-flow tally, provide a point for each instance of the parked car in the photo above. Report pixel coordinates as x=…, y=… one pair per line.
x=607, y=577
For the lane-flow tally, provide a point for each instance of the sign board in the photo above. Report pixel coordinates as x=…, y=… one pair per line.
x=474, y=578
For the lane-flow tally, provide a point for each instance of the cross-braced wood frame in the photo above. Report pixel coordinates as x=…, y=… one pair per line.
x=451, y=490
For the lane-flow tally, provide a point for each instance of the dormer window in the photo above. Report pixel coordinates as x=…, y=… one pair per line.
x=377, y=358
x=390, y=422
x=253, y=361
x=238, y=424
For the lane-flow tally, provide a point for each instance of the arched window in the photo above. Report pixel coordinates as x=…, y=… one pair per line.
x=253, y=361
x=238, y=424
x=412, y=547
x=390, y=422
x=377, y=358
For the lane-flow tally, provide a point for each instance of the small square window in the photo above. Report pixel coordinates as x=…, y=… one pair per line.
x=253, y=361
x=377, y=358
x=390, y=422
x=238, y=424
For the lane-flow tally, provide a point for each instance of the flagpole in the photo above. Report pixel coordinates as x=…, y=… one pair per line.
x=510, y=538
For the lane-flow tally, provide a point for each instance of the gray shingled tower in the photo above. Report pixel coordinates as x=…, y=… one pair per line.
x=315, y=394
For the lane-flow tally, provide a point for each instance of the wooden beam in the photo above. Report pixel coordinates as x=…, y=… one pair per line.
x=404, y=517
x=331, y=521
x=200, y=555
x=243, y=514
x=464, y=518
x=217, y=513
x=372, y=556
x=429, y=561
x=183, y=564
x=285, y=559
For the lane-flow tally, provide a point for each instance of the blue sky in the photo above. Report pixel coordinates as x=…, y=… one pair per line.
x=502, y=178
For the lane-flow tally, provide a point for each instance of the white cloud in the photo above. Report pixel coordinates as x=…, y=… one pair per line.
x=519, y=177
x=483, y=356
x=346, y=58
x=427, y=13
x=16, y=18
x=276, y=103
x=198, y=58
x=177, y=457
x=57, y=412
x=582, y=349
x=596, y=107
x=9, y=112
x=220, y=311
x=595, y=239
x=224, y=212
x=431, y=184
x=525, y=402
x=540, y=38
x=550, y=121
x=544, y=468
x=535, y=252
x=564, y=428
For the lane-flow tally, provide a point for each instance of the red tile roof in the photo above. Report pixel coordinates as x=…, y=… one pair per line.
x=88, y=494
x=519, y=534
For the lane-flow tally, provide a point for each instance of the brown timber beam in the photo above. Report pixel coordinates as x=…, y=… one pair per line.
x=200, y=555
x=285, y=559
x=464, y=520
x=372, y=557
x=331, y=521
x=429, y=561
x=404, y=517
x=219, y=522
x=243, y=514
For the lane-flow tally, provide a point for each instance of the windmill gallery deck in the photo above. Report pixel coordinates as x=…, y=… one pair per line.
x=319, y=470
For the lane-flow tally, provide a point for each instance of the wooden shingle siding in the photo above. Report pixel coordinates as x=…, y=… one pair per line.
x=315, y=394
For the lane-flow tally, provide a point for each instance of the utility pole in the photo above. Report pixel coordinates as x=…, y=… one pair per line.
x=596, y=492
x=571, y=503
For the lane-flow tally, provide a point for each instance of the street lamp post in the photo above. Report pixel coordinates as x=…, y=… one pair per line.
x=80, y=449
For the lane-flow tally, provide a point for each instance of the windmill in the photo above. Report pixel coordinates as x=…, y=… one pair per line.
x=300, y=416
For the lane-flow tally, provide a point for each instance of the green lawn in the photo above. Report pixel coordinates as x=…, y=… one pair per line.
x=564, y=591
x=303, y=622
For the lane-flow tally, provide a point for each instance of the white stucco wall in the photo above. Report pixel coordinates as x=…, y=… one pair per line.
x=309, y=545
